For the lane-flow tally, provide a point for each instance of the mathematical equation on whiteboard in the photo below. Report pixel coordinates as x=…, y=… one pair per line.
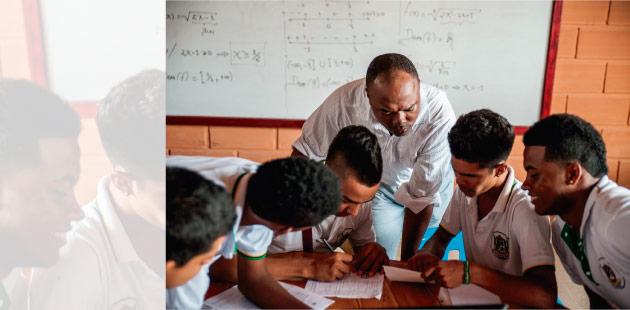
x=322, y=42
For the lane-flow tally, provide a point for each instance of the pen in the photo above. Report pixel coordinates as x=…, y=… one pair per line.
x=328, y=245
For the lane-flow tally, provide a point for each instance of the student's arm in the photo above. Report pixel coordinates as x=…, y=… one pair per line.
x=596, y=301
x=432, y=250
x=414, y=226
x=369, y=259
x=297, y=153
x=537, y=288
x=321, y=267
x=224, y=270
x=261, y=288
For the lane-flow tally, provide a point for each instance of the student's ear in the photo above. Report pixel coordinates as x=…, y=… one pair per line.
x=573, y=173
x=123, y=182
x=170, y=265
x=500, y=169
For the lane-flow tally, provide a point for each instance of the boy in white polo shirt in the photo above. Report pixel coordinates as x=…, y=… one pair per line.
x=506, y=242
x=271, y=199
x=199, y=214
x=565, y=159
x=355, y=157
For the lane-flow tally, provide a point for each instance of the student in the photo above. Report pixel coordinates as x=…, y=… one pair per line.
x=199, y=214
x=565, y=159
x=355, y=157
x=506, y=242
x=39, y=166
x=411, y=121
x=274, y=198
x=115, y=255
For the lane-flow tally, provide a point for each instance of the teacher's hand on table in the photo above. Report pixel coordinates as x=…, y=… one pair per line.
x=370, y=259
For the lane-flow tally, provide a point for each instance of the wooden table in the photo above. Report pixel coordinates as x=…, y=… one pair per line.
x=395, y=294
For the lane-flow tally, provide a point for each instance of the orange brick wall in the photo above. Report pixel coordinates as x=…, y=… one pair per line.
x=592, y=80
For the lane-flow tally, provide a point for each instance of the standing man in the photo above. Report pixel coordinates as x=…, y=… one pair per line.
x=411, y=121
x=565, y=160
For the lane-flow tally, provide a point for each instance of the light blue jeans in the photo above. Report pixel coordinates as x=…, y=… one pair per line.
x=388, y=214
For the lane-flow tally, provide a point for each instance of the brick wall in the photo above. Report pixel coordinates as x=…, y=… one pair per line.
x=592, y=80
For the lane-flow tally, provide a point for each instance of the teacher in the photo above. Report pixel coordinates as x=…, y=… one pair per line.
x=411, y=121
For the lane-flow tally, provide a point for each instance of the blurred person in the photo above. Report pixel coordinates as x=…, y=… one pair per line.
x=39, y=166
x=411, y=120
x=199, y=214
x=355, y=157
x=565, y=160
x=271, y=199
x=507, y=244
x=115, y=256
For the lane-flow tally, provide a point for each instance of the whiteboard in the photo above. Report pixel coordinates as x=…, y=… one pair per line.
x=281, y=59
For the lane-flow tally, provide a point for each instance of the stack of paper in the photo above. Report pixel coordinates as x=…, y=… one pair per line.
x=351, y=286
x=234, y=299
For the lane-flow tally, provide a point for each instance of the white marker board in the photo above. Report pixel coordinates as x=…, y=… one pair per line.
x=281, y=59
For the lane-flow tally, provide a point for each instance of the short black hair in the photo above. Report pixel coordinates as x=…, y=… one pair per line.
x=356, y=148
x=197, y=213
x=294, y=191
x=29, y=113
x=131, y=124
x=389, y=63
x=569, y=138
x=483, y=137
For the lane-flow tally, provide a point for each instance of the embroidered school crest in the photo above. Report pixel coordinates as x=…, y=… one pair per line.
x=615, y=279
x=500, y=245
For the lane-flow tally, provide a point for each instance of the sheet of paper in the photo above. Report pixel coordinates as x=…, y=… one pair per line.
x=471, y=294
x=403, y=275
x=351, y=286
x=234, y=299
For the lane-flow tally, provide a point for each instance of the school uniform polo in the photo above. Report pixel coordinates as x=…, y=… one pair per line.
x=600, y=258
x=335, y=229
x=14, y=290
x=98, y=268
x=250, y=241
x=511, y=238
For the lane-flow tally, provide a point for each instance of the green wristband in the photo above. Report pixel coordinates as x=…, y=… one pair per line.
x=466, y=272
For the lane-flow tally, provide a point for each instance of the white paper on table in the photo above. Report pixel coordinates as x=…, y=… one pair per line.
x=234, y=299
x=403, y=275
x=351, y=286
x=471, y=294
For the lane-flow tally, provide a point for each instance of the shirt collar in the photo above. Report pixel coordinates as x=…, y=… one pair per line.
x=118, y=237
x=590, y=201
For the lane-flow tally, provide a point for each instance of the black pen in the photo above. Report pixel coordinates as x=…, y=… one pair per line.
x=328, y=245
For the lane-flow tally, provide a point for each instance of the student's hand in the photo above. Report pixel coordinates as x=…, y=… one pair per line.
x=422, y=260
x=331, y=266
x=370, y=259
x=449, y=274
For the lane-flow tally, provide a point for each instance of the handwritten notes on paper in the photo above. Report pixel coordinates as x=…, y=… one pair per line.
x=234, y=299
x=351, y=286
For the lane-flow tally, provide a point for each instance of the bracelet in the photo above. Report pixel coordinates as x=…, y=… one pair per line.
x=466, y=272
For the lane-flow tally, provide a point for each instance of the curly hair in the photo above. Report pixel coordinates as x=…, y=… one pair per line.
x=568, y=138
x=197, y=213
x=294, y=191
x=356, y=148
x=483, y=137
x=388, y=63
x=29, y=113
